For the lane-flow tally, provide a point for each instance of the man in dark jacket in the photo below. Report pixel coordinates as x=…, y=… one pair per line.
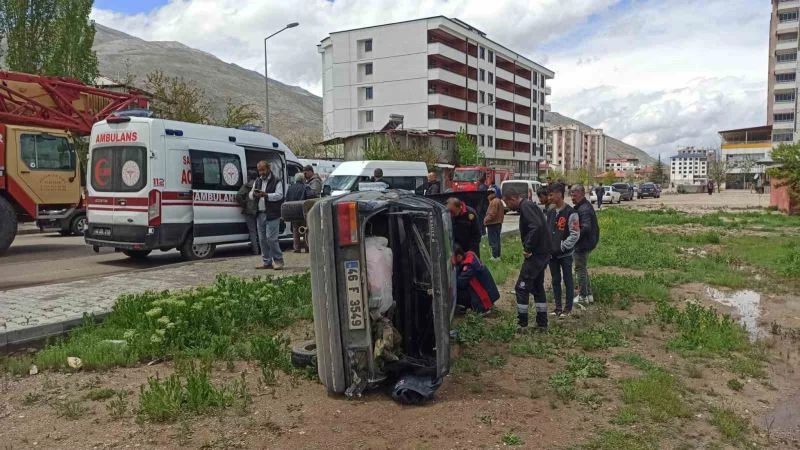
x=476, y=287
x=434, y=186
x=268, y=194
x=466, y=226
x=313, y=181
x=536, y=248
x=298, y=191
x=600, y=192
x=589, y=237
x=249, y=210
x=565, y=229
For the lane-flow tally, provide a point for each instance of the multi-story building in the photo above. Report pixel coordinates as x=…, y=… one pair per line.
x=442, y=75
x=689, y=166
x=783, y=69
x=574, y=147
x=623, y=164
x=744, y=152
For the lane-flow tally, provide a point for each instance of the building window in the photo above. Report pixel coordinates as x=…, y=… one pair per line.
x=491, y=60
x=491, y=138
x=541, y=98
x=491, y=98
x=368, y=45
x=533, y=132
x=783, y=117
x=368, y=116
x=368, y=93
x=483, y=97
x=533, y=112
x=783, y=37
x=483, y=140
x=483, y=118
x=491, y=78
x=785, y=77
x=782, y=137
x=787, y=16
x=491, y=120
x=483, y=52
x=541, y=114
x=785, y=97
x=368, y=69
x=482, y=74
x=786, y=57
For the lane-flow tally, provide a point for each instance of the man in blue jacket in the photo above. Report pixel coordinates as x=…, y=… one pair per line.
x=565, y=229
x=589, y=237
x=476, y=287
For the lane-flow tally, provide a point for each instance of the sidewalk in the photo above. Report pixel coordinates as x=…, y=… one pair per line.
x=34, y=313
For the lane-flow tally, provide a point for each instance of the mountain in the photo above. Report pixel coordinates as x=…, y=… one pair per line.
x=614, y=147
x=293, y=110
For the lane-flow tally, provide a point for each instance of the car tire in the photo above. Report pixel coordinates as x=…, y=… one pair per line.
x=304, y=355
x=137, y=254
x=196, y=252
x=79, y=225
x=292, y=211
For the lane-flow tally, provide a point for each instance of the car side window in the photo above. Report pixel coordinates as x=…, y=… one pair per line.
x=214, y=171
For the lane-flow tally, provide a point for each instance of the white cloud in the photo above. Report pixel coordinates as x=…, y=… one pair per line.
x=656, y=74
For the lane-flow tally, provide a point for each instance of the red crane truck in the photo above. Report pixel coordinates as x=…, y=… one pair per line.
x=467, y=178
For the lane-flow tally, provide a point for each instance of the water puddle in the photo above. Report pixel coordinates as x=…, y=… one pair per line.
x=746, y=304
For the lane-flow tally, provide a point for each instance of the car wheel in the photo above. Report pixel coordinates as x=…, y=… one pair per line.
x=196, y=252
x=79, y=225
x=304, y=355
x=136, y=254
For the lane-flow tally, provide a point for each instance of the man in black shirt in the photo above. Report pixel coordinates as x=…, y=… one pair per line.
x=466, y=226
x=536, y=245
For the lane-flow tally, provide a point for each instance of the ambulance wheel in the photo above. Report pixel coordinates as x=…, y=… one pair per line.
x=136, y=254
x=8, y=225
x=79, y=225
x=304, y=355
x=195, y=252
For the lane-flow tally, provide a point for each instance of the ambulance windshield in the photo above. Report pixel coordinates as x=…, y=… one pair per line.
x=118, y=169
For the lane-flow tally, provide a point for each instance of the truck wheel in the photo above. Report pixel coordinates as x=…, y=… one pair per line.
x=136, y=254
x=79, y=225
x=8, y=225
x=304, y=355
x=195, y=252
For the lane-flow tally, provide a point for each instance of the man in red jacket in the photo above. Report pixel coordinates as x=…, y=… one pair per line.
x=476, y=287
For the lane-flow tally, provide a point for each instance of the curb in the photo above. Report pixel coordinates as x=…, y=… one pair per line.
x=31, y=336
x=24, y=231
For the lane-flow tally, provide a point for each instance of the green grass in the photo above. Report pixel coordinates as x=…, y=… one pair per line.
x=511, y=439
x=529, y=346
x=702, y=330
x=657, y=393
x=732, y=427
x=71, y=409
x=746, y=366
x=626, y=416
x=510, y=259
x=474, y=329
x=735, y=384
x=613, y=289
x=102, y=394
x=600, y=337
x=636, y=360
x=584, y=366
x=621, y=440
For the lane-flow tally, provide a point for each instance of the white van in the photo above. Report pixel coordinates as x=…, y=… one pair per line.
x=161, y=184
x=406, y=175
x=322, y=167
x=530, y=185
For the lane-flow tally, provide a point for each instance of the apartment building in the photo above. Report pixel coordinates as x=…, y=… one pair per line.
x=690, y=166
x=623, y=164
x=783, y=69
x=745, y=152
x=441, y=75
x=573, y=147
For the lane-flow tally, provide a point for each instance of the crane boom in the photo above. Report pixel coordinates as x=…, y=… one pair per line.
x=60, y=103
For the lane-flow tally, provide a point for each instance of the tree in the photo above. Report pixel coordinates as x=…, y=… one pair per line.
x=717, y=171
x=381, y=147
x=239, y=114
x=609, y=178
x=52, y=37
x=747, y=165
x=177, y=99
x=788, y=173
x=467, y=153
x=657, y=176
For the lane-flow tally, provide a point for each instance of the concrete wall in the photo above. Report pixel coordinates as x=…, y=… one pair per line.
x=779, y=198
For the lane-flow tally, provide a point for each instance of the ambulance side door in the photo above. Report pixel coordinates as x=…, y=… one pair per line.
x=217, y=175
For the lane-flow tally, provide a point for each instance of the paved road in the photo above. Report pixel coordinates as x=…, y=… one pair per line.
x=36, y=259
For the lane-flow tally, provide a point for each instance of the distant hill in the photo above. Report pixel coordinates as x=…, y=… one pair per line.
x=614, y=147
x=292, y=110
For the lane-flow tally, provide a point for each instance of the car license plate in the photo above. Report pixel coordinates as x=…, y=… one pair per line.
x=101, y=231
x=355, y=299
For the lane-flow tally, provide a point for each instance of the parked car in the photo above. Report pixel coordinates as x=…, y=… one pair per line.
x=625, y=190
x=380, y=267
x=611, y=195
x=649, y=190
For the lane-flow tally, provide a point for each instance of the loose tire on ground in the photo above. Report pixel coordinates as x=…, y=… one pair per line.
x=196, y=252
x=8, y=225
x=79, y=225
x=292, y=211
x=136, y=254
x=304, y=355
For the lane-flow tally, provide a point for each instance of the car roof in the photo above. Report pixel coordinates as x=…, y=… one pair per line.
x=359, y=167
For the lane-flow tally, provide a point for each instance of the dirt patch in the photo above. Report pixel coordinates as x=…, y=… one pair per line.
x=693, y=229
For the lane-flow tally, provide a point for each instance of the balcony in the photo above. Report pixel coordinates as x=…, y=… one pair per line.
x=787, y=66
x=786, y=84
x=786, y=45
x=548, y=90
x=783, y=125
x=451, y=65
x=442, y=87
x=447, y=76
x=547, y=107
x=438, y=48
x=784, y=5
x=789, y=25
x=784, y=106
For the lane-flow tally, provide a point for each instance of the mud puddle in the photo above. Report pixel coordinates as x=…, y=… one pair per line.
x=746, y=303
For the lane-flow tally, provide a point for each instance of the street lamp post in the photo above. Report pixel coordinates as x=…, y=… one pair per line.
x=266, y=77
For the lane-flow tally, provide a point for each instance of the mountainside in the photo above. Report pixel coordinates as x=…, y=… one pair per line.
x=292, y=110
x=614, y=147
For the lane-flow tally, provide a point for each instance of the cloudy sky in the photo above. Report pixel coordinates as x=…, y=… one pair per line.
x=656, y=74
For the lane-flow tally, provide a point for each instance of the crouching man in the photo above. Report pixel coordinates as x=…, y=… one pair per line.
x=476, y=287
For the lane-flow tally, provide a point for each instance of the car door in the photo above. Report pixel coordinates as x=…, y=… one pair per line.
x=216, y=177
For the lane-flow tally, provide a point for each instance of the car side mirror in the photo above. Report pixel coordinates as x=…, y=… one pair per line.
x=326, y=190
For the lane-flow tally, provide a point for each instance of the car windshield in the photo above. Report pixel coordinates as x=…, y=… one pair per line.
x=466, y=175
x=341, y=182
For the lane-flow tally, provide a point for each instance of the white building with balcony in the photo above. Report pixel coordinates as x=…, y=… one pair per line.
x=690, y=166
x=783, y=69
x=442, y=75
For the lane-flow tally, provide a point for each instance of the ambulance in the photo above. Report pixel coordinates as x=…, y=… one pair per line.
x=156, y=184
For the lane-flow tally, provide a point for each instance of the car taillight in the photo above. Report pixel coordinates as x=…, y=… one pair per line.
x=347, y=214
x=154, y=208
